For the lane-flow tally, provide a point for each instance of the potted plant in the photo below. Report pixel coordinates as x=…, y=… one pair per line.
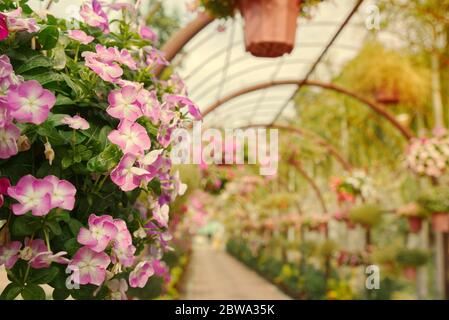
x=410, y=260
x=436, y=202
x=428, y=156
x=414, y=214
x=388, y=76
x=270, y=25
x=367, y=215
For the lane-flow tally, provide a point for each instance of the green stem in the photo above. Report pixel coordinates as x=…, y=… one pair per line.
x=77, y=53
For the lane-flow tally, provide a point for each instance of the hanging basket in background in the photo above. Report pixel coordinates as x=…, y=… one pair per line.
x=270, y=26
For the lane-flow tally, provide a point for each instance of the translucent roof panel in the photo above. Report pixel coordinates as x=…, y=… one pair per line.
x=214, y=64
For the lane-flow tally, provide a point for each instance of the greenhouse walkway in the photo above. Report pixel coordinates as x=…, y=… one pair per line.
x=213, y=274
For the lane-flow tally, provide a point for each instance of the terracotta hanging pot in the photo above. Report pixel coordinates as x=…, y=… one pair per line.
x=415, y=224
x=270, y=26
x=387, y=96
x=440, y=221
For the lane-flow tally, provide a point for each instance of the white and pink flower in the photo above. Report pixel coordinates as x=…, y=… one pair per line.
x=9, y=134
x=89, y=266
x=80, y=36
x=30, y=102
x=150, y=105
x=138, y=278
x=16, y=23
x=127, y=175
x=33, y=195
x=117, y=289
x=9, y=254
x=131, y=138
x=147, y=33
x=123, y=104
x=63, y=193
x=101, y=232
x=183, y=101
x=94, y=16
x=76, y=122
x=160, y=214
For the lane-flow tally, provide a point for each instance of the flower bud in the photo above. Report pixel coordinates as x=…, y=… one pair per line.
x=23, y=143
x=49, y=152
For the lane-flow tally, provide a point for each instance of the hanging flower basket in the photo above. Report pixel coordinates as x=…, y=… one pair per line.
x=270, y=26
x=440, y=221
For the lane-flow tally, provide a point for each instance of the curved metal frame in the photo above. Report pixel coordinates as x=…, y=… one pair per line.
x=380, y=110
x=182, y=37
x=315, y=137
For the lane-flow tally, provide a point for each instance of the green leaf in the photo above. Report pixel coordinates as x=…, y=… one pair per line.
x=44, y=78
x=25, y=225
x=55, y=119
x=33, y=292
x=54, y=227
x=74, y=226
x=71, y=246
x=48, y=37
x=63, y=101
x=73, y=137
x=11, y=291
x=35, y=62
x=72, y=85
x=106, y=160
x=66, y=162
x=47, y=130
x=60, y=294
x=43, y=276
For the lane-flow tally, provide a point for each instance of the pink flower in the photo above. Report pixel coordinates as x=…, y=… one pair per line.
x=89, y=266
x=123, y=104
x=148, y=34
x=94, y=16
x=9, y=254
x=101, y=231
x=124, y=57
x=140, y=275
x=118, y=289
x=123, y=237
x=33, y=195
x=76, y=122
x=155, y=57
x=185, y=102
x=38, y=255
x=108, y=71
x=45, y=259
x=131, y=138
x=124, y=255
x=63, y=194
x=123, y=250
x=126, y=175
x=6, y=69
x=149, y=105
x=16, y=23
x=161, y=270
x=29, y=102
x=80, y=36
x=9, y=134
x=3, y=27
x=160, y=214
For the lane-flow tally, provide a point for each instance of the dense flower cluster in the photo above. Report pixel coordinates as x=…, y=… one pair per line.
x=85, y=130
x=429, y=156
